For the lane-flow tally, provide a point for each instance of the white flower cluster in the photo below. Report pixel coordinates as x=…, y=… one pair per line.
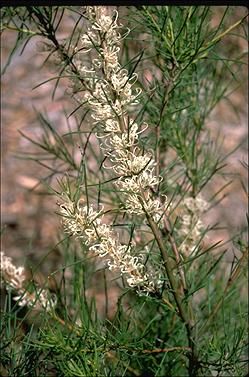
x=112, y=94
x=15, y=278
x=86, y=223
x=191, y=225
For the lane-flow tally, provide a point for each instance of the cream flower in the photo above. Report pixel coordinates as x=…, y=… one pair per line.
x=191, y=226
x=86, y=224
x=15, y=279
x=110, y=98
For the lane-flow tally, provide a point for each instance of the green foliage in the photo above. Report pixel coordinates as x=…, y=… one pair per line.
x=183, y=73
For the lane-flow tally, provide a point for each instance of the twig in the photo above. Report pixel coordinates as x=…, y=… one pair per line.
x=230, y=281
x=193, y=361
x=176, y=252
x=108, y=353
x=164, y=350
x=130, y=369
x=164, y=104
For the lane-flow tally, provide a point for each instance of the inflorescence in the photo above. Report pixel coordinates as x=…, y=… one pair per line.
x=15, y=279
x=109, y=91
x=86, y=224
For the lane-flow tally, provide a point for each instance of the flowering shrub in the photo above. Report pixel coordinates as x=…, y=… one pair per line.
x=141, y=209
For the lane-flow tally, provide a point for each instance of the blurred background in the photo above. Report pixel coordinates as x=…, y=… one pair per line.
x=30, y=226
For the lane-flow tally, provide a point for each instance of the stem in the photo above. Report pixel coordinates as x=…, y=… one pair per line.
x=178, y=262
x=160, y=350
x=20, y=30
x=182, y=311
x=164, y=104
x=176, y=252
x=168, y=266
x=222, y=35
x=166, y=222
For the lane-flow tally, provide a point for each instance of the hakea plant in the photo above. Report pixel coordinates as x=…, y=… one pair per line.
x=159, y=250
x=109, y=91
x=110, y=94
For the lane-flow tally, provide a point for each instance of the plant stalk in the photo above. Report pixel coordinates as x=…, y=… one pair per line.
x=182, y=311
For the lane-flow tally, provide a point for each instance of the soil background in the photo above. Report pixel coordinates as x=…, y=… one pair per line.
x=29, y=223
